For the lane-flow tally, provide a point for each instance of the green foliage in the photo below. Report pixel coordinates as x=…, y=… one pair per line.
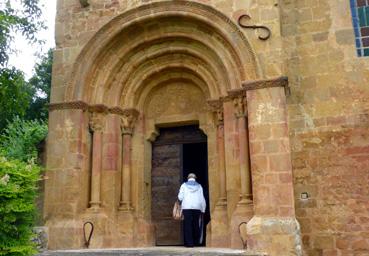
x=40, y=84
x=21, y=137
x=17, y=208
x=15, y=95
x=17, y=16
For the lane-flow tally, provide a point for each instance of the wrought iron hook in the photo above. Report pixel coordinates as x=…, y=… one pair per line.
x=266, y=37
x=87, y=240
x=244, y=242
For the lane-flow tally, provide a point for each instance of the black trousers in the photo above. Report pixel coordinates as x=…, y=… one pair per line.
x=191, y=227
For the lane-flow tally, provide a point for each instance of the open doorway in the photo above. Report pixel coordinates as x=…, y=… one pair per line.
x=175, y=153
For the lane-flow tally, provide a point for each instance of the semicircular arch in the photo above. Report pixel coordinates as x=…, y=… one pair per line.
x=223, y=31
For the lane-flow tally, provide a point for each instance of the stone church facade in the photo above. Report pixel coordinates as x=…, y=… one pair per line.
x=275, y=91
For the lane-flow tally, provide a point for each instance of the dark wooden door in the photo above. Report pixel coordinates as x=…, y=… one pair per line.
x=167, y=177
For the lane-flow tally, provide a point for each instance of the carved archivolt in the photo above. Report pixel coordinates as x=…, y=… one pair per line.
x=227, y=51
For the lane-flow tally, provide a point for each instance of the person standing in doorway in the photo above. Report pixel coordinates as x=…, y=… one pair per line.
x=193, y=207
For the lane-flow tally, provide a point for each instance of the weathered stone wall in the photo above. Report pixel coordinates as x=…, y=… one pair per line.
x=328, y=110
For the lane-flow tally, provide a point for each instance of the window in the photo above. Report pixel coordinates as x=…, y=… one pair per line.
x=360, y=20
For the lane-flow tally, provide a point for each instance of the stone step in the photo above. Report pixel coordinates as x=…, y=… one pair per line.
x=168, y=251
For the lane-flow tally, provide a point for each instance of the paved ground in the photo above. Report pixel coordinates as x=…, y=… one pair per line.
x=169, y=251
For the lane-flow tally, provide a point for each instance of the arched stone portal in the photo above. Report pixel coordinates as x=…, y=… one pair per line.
x=164, y=64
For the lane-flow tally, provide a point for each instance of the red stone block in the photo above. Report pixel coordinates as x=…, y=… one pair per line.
x=279, y=130
x=330, y=253
x=361, y=245
x=280, y=162
x=256, y=148
x=261, y=132
x=271, y=178
x=337, y=120
x=272, y=146
x=286, y=211
x=342, y=243
x=259, y=163
x=357, y=150
x=285, y=177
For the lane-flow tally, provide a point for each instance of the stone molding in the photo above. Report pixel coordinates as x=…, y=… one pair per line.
x=98, y=108
x=267, y=83
x=68, y=105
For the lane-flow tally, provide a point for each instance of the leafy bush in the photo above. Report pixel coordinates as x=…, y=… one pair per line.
x=15, y=95
x=20, y=139
x=17, y=206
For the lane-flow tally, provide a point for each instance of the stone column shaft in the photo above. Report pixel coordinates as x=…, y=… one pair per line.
x=127, y=125
x=96, y=126
x=221, y=162
x=246, y=194
x=125, y=203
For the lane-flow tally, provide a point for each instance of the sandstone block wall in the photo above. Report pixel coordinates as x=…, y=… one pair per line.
x=328, y=112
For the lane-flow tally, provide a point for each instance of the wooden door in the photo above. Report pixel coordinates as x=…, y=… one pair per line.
x=166, y=178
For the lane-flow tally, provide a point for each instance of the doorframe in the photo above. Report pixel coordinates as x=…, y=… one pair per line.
x=207, y=125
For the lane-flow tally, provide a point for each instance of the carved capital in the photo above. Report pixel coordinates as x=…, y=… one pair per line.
x=216, y=106
x=240, y=105
x=128, y=120
x=97, y=121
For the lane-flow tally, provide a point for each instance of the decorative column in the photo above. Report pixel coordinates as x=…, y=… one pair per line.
x=240, y=104
x=97, y=120
x=219, y=222
x=271, y=170
x=128, y=120
x=244, y=210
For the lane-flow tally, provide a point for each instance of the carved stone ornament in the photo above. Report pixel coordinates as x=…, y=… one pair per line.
x=96, y=121
x=128, y=120
x=216, y=106
x=240, y=105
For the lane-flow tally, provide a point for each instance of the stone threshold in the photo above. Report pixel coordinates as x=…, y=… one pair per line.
x=169, y=251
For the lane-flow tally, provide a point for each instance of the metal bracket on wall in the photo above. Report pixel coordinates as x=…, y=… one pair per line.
x=243, y=239
x=266, y=29
x=84, y=3
x=88, y=240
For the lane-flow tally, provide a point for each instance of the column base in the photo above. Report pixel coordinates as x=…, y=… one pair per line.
x=222, y=202
x=125, y=207
x=274, y=235
x=219, y=233
x=243, y=214
x=95, y=206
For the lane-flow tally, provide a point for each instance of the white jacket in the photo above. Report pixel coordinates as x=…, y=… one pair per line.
x=192, y=196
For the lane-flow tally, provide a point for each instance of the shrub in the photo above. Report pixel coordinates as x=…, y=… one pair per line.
x=18, y=192
x=20, y=139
